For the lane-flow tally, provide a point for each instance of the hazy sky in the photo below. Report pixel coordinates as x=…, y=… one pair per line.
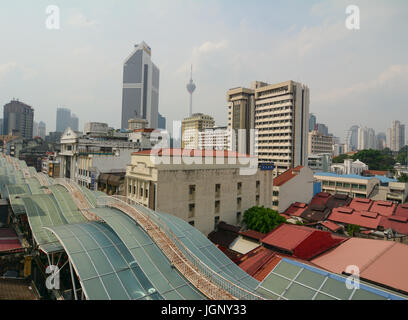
x=355, y=76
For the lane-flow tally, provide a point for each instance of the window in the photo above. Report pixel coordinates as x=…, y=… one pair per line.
x=238, y=217
x=275, y=193
x=130, y=189
x=362, y=187
x=217, y=188
x=257, y=200
x=325, y=183
x=192, y=189
x=239, y=187
x=141, y=192
x=134, y=190
x=191, y=223
x=191, y=209
x=331, y=183
x=346, y=185
x=239, y=200
x=146, y=193
x=216, y=220
x=354, y=186
x=217, y=206
x=339, y=184
x=276, y=203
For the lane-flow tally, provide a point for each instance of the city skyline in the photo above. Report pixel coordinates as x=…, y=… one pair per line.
x=361, y=82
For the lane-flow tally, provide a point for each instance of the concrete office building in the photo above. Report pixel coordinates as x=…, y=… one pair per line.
x=319, y=143
x=18, y=119
x=208, y=190
x=84, y=156
x=320, y=162
x=282, y=121
x=241, y=118
x=190, y=128
x=216, y=138
x=140, y=95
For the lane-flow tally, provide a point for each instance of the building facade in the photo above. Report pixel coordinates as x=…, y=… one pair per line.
x=319, y=143
x=201, y=191
x=241, y=118
x=18, y=119
x=396, y=136
x=282, y=122
x=42, y=130
x=190, y=128
x=216, y=138
x=140, y=95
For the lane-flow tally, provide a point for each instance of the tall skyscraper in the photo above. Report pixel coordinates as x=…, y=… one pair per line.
x=63, y=119
x=352, y=138
x=282, y=120
x=18, y=119
x=381, y=141
x=323, y=129
x=396, y=136
x=1, y=126
x=312, y=122
x=74, y=122
x=366, y=139
x=191, y=88
x=41, y=130
x=140, y=95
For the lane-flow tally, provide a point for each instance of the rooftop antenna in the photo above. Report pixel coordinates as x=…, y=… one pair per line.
x=190, y=88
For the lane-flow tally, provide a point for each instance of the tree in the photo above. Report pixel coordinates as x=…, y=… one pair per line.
x=352, y=228
x=403, y=178
x=262, y=219
x=340, y=158
x=376, y=159
x=402, y=155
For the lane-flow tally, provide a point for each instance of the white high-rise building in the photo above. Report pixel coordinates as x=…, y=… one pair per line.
x=42, y=130
x=396, y=136
x=282, y=121
x=140, y=95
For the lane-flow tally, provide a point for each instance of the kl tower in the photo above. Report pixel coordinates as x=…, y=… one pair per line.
x=190, y=88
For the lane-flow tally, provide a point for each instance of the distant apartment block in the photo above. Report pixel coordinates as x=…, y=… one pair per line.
x=190, y=128
x=319, y=143
x=216, y=138
x=396, y=136
x=18, y=119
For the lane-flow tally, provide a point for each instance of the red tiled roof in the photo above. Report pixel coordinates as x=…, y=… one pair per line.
x=402, y=210
x=286, y=176
x=331, y=226
x=396, y=223
x=360, y=204
x=359, y=218
x=144, y=130
x=252, y=234
x=9, y=240
x=375, y=172
x=320, y=199
x=296, y=209
x=300, y=241
x=192, y=153
x=384, y=208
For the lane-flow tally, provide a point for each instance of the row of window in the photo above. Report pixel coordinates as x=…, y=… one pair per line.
x=141, y=191
x=345, y=185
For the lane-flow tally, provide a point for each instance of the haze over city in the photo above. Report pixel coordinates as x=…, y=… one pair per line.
x=352, y=79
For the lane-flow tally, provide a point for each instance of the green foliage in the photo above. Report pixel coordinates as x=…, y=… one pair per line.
x=340, y=158
x=376, y=159
x=351, y=229
x=262, y=219
x=402, y=156
x=403, y=178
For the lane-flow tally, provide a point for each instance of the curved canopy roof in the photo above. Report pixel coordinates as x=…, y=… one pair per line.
x=151, y=260
x=105, y=267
